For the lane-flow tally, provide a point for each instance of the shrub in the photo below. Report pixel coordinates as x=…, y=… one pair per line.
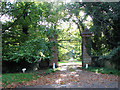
x=97, y=61
x=113, y=57
x=25, y=55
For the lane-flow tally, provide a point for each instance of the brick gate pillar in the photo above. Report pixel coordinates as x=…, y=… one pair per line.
x=86, y=41
x=54, y=59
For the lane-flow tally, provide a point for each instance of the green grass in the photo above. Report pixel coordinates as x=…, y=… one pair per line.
x=9, y=78
x=71, y=69
x=17, y=77
x=103, y=70
x=61, y=62
x=50, y=71
x=77, y=62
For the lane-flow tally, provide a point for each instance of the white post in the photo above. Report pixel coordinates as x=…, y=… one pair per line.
x=86, y=66
x=53, y=65
x=23, y=70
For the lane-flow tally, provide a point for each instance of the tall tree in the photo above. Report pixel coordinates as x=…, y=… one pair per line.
x=105, y=25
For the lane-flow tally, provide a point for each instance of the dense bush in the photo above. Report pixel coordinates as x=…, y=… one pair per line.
x=103, y=70
x=97, y=61
x=25, y=55
x=113, y=57
x=31, y=51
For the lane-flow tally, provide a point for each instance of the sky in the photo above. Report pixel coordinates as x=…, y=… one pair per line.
x=5, y=18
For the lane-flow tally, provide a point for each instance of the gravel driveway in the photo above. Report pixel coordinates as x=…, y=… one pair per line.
x=72, y=77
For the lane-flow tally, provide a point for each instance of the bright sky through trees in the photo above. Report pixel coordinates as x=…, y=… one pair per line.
x=62, y=24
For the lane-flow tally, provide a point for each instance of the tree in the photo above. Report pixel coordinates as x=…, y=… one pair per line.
x=105, y=25
x=25, y=37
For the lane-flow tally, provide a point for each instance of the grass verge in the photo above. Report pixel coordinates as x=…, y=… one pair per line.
x=8, y=79
x=102, y=70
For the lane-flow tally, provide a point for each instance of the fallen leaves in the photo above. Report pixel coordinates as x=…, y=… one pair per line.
x=68, y=77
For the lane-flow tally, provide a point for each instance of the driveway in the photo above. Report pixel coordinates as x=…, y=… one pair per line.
x=72, y=77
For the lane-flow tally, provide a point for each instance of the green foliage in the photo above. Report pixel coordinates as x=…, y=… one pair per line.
x=68, y=50
x=49, y=71
x=105, y=26
x=98, y=62
x=23, y=15
x=113, y=57
x=31, y=51
x=25, y=37
x=51, y=32
x=69, y=44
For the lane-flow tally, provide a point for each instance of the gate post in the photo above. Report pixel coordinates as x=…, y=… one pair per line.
x=54, y=59
x=86, y=41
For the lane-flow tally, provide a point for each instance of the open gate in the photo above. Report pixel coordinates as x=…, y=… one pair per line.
x=69, y=50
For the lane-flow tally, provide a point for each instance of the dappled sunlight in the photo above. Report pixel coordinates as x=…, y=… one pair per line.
x=58, y=81
x=68, y=76
x=71, y=66
x=63, y=68
x=73, y=63
x=76, y=75
x=63, y=75
x=62, y=43
x=79, y=70
x=96, y=71
x=72, y=73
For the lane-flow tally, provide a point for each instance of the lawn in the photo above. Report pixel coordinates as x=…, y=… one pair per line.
x=77, y=62
x=9, y=79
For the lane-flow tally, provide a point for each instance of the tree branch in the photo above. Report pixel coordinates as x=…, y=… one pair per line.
x=78, y=27
x=10, y=11
x=16, y=19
